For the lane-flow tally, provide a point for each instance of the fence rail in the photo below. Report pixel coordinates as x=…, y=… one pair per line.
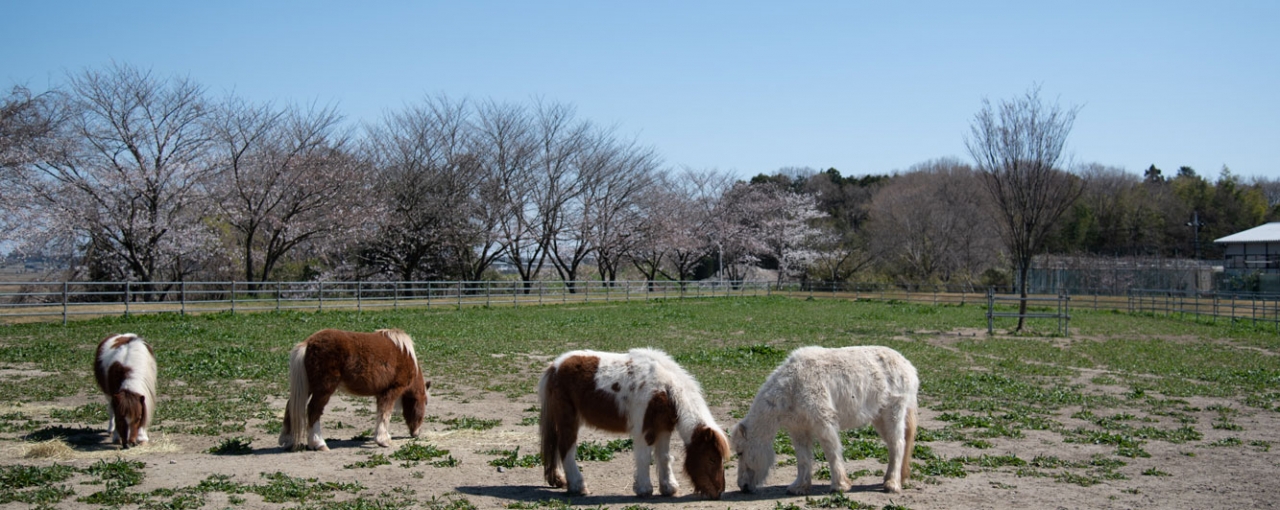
x=52, y=301
x=47, y=301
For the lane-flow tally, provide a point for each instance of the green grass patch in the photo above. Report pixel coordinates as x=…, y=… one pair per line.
x=470, y=423
x=238, y=445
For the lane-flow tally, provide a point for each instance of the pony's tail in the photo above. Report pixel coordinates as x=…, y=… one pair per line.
x=548, y=431
x=909, y=444
x=299, y=395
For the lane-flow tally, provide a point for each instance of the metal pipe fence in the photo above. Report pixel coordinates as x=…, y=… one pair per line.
x=51, y=301
x=54, y=301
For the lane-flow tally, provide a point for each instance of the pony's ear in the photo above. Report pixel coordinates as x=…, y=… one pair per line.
x=740, y=429
x=426, y=384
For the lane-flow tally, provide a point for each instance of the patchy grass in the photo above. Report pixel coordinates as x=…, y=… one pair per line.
x=220, y=371
x=238, y=445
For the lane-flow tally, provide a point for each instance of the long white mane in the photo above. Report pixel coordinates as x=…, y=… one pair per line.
x=402, y=340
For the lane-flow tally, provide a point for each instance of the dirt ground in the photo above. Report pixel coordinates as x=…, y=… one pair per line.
x=1215, y=477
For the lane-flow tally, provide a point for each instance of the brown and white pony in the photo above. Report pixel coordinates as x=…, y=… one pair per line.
x=381, y=365
x=642, y=392
x=816, y=393
x=125, y=369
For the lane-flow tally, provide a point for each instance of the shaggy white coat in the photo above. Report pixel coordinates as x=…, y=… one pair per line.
x=816, y=393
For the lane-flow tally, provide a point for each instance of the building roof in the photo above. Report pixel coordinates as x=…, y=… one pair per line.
x=1265, y=233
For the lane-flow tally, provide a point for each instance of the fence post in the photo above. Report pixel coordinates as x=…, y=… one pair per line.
x=320, y=306
x=359, y=309
x=460, y=287
x=126, y=299
x=395, y=296
x=64, y=302
x=515, y=295
x=182, y=296
x=488, y=291
x=279, y=291
x=991, y=303
x=233, y=297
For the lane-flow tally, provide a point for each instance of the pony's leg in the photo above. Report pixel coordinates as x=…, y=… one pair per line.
x=286, y=434
x=573, y=475
x=891, y=424
x=829, y=439
x=315, y=409
x=667, y=484
x=111, y=422
x=643, y=486
x=382, y=429
x=802, y=441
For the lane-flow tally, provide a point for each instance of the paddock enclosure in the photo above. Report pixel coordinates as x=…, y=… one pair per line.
x=1127, y=410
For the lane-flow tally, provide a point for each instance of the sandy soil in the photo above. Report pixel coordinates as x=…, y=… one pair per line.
x=1215, y=477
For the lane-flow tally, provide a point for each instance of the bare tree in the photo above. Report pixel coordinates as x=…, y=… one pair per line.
x=598, y=217
x=929, y=224
x=286, y=178
x=507, y=150
x=428, y=177
x=1018, y=146
x=561, y=139
x=617, y=192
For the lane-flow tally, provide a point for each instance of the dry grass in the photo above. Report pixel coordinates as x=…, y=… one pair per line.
x=59, y=449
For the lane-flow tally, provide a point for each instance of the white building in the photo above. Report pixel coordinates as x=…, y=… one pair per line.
x=1255, y=249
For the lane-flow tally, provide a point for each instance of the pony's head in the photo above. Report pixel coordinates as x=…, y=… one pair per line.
x=414, y=404
x=755, y=455
x=130, y=412
x=704, y=461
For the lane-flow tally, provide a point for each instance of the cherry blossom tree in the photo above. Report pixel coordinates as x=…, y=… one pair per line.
x=123, y=182
x=767, y=219
x=286, y=178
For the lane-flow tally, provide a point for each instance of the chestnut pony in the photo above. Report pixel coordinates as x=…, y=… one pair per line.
x=642, y=392
x=380, y=364
x=125, y=369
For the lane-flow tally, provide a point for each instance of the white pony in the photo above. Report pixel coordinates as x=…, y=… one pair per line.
x=816, y=393
x=125, y=369
x=642, y=392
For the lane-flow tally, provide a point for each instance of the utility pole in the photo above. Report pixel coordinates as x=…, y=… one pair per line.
x=1195, y=225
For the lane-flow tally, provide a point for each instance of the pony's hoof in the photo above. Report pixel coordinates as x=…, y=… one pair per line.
x=643, y=491
x=384, y=444
x=669, y=490
x=840, y=487
x=892, y=488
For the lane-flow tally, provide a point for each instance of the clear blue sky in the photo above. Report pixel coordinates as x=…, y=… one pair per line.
x=749, y=87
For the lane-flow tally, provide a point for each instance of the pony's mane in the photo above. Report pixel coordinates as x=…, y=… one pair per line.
x=684, y=390
x=402, y=340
